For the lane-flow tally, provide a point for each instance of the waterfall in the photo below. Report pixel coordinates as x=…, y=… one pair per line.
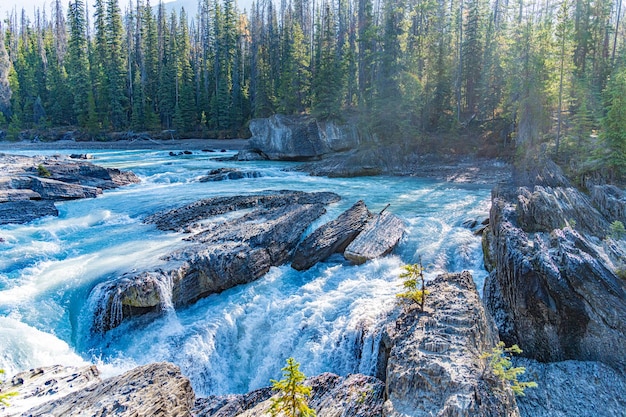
x=56, y=274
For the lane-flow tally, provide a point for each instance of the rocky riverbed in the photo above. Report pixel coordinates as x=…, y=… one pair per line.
x=555, y=288
x=29, y=186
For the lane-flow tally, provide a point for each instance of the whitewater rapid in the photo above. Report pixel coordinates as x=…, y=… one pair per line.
x=328, y=317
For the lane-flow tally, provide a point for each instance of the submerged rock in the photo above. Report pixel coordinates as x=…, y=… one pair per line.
x=379, y=237
x=431, y=361
x=157, y=389
x=331, y=238
x=331, y=396
x=29, y=186
x=224, y=174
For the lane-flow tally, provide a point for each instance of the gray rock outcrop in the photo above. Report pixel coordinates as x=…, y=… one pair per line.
x=572, y=388
x=553, y=287
x=29, y=186
x=433, y=365
x=379, y=236
x=331, y=396
x=332, y=237
x=40, y=385
x=220, y=255
x=157, y=389
x=225, y=174
x=610, y=201
x=297, y=138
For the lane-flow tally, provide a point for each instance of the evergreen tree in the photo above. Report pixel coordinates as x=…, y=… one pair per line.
x=78, y=61
x=292, y=393
x=614, y=133
x=5, y=90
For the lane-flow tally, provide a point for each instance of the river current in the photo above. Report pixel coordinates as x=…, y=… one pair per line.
x=328, y=318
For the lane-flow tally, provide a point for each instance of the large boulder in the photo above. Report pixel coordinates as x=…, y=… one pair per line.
x=553, y=286
x=299, y=138
x=432, y=360
x=379, y=237
x=332, y=237
x=157, y=389
x=331, y=396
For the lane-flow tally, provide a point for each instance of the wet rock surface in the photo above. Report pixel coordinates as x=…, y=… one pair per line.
x=29, y=186
x=225, y=174
x=332, y=237
x=221, y=255
x=431, y=360
x=379, y=236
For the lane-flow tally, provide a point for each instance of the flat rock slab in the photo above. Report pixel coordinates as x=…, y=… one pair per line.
x=379, y=237
x=332, y=237
x=181, y=219
x=18, y=212
x=157, y=389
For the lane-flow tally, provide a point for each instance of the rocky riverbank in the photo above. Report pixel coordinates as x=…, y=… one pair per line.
x=342, y=150
x=29, y=186
x=429, y=364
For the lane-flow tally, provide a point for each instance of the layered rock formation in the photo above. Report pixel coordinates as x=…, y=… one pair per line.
x=158, y=389
x=29, y=186
x=333, y=237
x=553, y=286
x=572, y=388
x=227, y=253
x=331, y=396
x=379, y=236
x=221, y=255
x=297, y=138
x=433, y=365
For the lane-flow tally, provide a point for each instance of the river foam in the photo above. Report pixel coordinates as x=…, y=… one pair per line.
x=328, y=317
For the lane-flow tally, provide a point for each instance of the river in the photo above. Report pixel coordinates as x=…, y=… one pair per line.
x=328, y=317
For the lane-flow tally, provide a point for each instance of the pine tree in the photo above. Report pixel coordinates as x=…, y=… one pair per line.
x=614, y=133
x=291, y=400
x=78, y=61
x=5, y=89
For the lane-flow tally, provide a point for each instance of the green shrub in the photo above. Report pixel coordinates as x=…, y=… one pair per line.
x=292, y=393
x=42, y=171
x=4, y=396
x=617, y=230
x=501, y=366
x=414, y=285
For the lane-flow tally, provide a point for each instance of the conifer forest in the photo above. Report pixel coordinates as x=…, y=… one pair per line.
x=530, y=72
